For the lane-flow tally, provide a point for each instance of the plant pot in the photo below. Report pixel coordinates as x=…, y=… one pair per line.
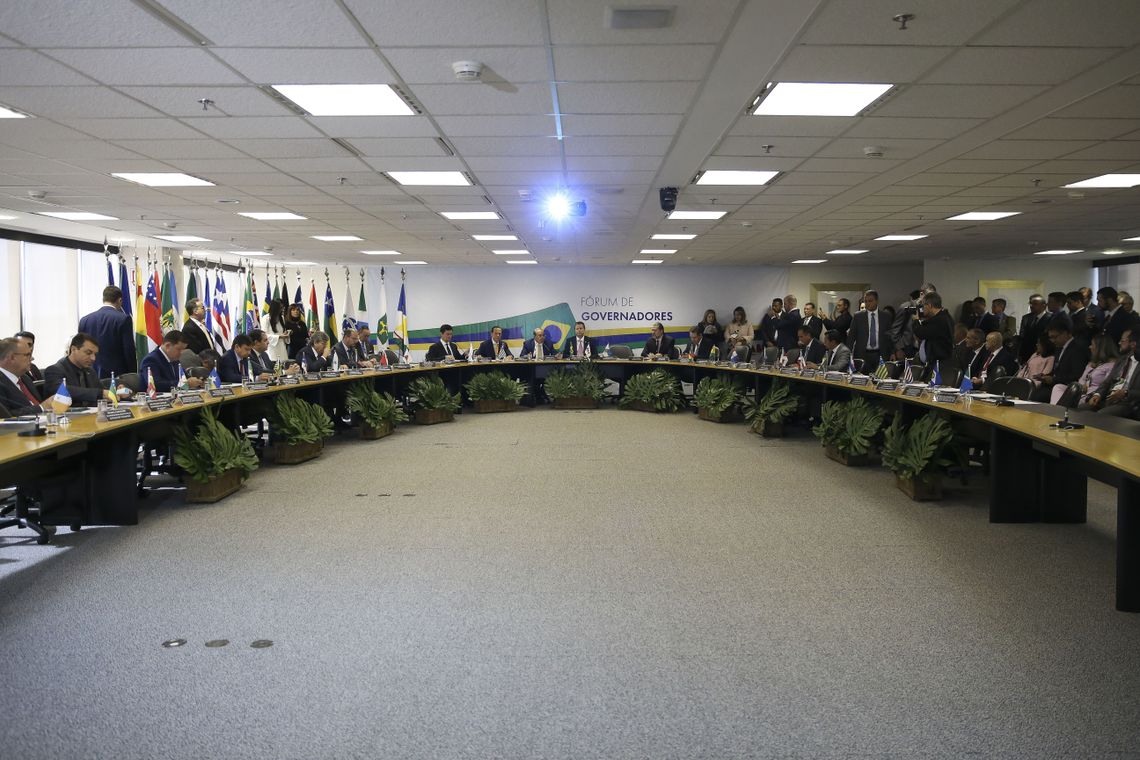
x=214, y=489
x=770, y=429
x=921, y=489
x=295, y=453
x=369, y=433
x=576, y=402
x=732, y=414
x=433, y=416
x=641, y=406
x=849, y=460
x=491, y=405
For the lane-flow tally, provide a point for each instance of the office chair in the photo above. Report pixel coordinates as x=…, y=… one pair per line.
x=189, y=359
x=621, y=352
x=1020, y=388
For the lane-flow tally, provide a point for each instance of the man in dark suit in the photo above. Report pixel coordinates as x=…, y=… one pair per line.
x=235, y=365
x=811, y=349
x=581, y=344
x=75, y=371
x=982, y=319
x=934, y=330
x=29, y=339
x=494, y=347
x=538, y=345
x=869, y=336
x=1070, y=357
x=194, y=329
x=17, y=396
x=1119, y=394
x=769, y=324
x=312, y=357
x=1095, y=312
x=699, y=346
x=1084, y=322
x=444, y=349
x=659, y=344
x=112, y=330
x=812, y=321
x=788, y=324
x=162, y=364
x=996, y=355
x=1032, y=323
x=838, y=356
x=347, y=351
x=975, y=353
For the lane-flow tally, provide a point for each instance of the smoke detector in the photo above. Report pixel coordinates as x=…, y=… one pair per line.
x=467, y=71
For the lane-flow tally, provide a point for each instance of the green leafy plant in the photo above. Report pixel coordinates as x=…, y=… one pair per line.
x=494, y=386
x=584, y=381
x=298, y=421
x=374, y=408
x=431, y=393
x=657, y=389
x=918, y=451
x=849, y=426
x=773, y=407
x=716, y=395
x=212, y=449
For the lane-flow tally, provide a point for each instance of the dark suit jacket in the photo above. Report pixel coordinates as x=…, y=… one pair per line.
x=1073, y=361
x=979, y=359
x=1082, y=330
x=987, y=323
x=1132, y=395
x=164, y=371
x=814, y=324
x=487, y=349
x=570, y=347
x=1030, y=331
x=348, y=357
x=813, y=352
x=82, y=384
x=859, y=334
x=547, y=348
x=437, y=353
x=768, y=327
x=842, y=323
x=308, y=359
x=14, y=400
x=196, y=339
x=231, y=369
x=1118, y=323
x=786, y=325
x=1002, y=358
x=938, y=332
x=112, y=330
x=699, y=350
x=262, y=363
x=666, y=347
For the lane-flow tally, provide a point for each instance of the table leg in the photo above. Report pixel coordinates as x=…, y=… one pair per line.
x=1128, y=545
x=1015, y=486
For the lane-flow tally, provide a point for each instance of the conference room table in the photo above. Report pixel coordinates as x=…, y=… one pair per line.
x=1040, y=471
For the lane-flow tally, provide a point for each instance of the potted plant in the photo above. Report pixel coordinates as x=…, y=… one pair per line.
x=494, y=392
x=379, y=413
x=582, y=387
x=717, y=399
x=917, y=454
x=433, y=402
x=847, y=429
x=217, y=460
x=654, y=391
x=768, y=412
x=299, y=429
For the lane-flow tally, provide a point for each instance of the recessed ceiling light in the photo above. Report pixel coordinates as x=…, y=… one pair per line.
x=227, y=200
x=250, y=253
x=79, y=216
x=1131, y=240
x=848, y=251
x=697, y=214
x=1057, y=252
x=734, y=177
x=183, y=238
x=300, y=263
x=665, y=236
x=658, y=250
x=346, y=99
x=382, y=253
x=163, y=179
x=819, y=99
x=646, y=261
x=1109, y=180
x=810, y=261
x=1113, y=252
x=336, y=238
x=494, y=237
x=6, y=218
x=270, y=216
x=468, y=215
x=511, y=252
x=445, y=179
x=515, y=261
x=901, y=237
x=981, y=216
x=11, y=113
x=409, y=263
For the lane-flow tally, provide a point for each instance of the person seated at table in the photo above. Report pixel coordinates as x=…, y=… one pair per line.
x=659, y=345
x=996, y=355
x=75, y=371
x=314, y=357
x=962, y=353
x=162, y=364
x=538, y=346
x=1071, y=356
x=1102, y=358
x=741, y=351
x=264, y=366
x=581, y=344
x=976, y=346
x=235, y=365
x=29, y=339
x=699, y=346
x=811, y=349
x=1119, y=394
x=347, y=351
x=494, y=347
x=209, y=359
x=16, y=394
x=710, y=328
x=364, y=345
x=1039, y=363
x=444, y=349
x=739, y=327
x=837, y=357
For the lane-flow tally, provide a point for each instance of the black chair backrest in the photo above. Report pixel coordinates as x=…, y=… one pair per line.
x=894, y=370
x=997, y=385
x=771, y=354
x=996, y=372
x=392, y=356
x=189, y=359
x=1019, y=388
x=792, y=354
x=952, y=377
x=621, y=352
x=1072, y=396
x=199, y=372
x=130, y=380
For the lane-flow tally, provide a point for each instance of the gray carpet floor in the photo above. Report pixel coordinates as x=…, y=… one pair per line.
x=550, y=584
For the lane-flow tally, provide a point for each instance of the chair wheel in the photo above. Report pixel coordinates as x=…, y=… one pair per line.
x=76, y=527
x=43, y=538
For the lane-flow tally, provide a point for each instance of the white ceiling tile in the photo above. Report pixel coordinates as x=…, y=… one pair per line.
x=72, y=102
x=858, y=63
x=373, y=126
x=149, y=66
x=627, y=97
x=266, y=23
x=1062, y=22
x=397, y=146
x=1074, y=129
x=1034, y=149
x=136, y=129
x=892, y=148
x=502, y=65
x=630, y=124
x=1012, y=65
x=1121, y=102
x=419, y=163
x=393, y=23
x=613, y=163
x=992, y=165
x=252, y=127
x=32, y=68
x=174, y=149
x=454, y=99
x=620, y=146
x=851, y=164
x=944, y=179
x=538, y=125
x=868, y=22
x=982, y=101
x=908, y=128
x=228, y=101
x=216, y=168
x=34, y=135
x=308, y=66
x=582, y=22
x=288, y=148
x=66, y=23
x=790, y=126
x=514, y=163
x=632, y=63
x=781, y=147
x=503, y=146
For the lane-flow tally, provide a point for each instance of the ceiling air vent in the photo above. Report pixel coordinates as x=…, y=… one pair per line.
x=640, y=16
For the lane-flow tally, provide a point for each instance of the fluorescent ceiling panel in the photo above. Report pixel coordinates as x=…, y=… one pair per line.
x=1057, y=252
x=382, y=253
x=162, y=179
x=810, y=261
x=658, y=250
x=646, y=261
x=6, y=218
x=441, y=179
x=515, y=261
x=1109, y=180
x=848, y=251
x=346, y=99
x=270, y=216
x=458, y=216
x=183, y=238
x=733, y=177
x=409, y=263
x=1128, y=239
x=982, y=216
x=8, y=113
x=79, y=216
x=250, y=253
x=697, y=214
x=901, y=237
x=511, y=252
x=666, y=236
x=494, y=237
x=819, y=99
x=336, y=238
x=1113, y=252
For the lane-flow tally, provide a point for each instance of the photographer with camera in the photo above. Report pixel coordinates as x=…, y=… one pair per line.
x=902, y=329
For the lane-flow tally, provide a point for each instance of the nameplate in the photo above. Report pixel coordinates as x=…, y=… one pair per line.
x=258, y=385
x=330, y=373
x=310, y=376
x=859, y=381
x=403, y=365
x=764, y=367
x=159, y=404
x=293, y=380
x=809, y=373
x=221, y=392
x=913, y=391
x=118, y=414
x=384, y=368
x=790, y=371
x=191, y=398
x=355, y=372
x=885, y=385
x=834, y=377
x=946, y=397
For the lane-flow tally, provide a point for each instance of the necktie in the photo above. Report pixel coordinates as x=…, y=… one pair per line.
x=873, y=338
x=580, y=349
x=658, y=346
x=989, y=359
x=27, y=393
x=447, y=348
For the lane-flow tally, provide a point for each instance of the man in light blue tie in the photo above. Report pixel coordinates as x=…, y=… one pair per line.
x=867, y=337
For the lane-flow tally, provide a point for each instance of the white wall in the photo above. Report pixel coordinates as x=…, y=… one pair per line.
x=957, y=279
x=893, y=282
